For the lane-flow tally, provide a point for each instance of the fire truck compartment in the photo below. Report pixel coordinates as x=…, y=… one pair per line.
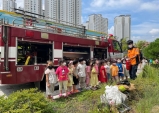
x=75, y=52
x=30, y=53
x=100, y=53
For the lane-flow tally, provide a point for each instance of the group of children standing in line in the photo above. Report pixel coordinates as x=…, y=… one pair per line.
x=88, y=74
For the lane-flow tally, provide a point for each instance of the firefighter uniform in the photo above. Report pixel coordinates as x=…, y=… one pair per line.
x=134, y=61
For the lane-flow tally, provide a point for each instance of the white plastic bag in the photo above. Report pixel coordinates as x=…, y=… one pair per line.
x=114, y=96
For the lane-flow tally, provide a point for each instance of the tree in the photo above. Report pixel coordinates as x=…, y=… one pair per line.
x=124, y=44
x=140, y=44
x=152, y=51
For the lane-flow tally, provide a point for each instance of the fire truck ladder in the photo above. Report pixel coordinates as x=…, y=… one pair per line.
x=6, y=49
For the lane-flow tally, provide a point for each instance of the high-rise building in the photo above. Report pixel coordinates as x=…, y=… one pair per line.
x=64, y=11
x=97, y=23
x=33, y=6
x=86, y=24
x=52, y=9
x=9, y=5
x=122, y=27
x=78, y=12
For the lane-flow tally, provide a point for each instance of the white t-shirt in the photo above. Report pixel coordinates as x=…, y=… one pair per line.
x=81, y=70
x=107, y=67
x=52, y=75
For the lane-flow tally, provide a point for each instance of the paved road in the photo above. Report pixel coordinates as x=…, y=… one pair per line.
x=8, y=89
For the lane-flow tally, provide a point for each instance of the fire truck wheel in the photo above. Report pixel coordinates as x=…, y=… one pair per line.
x=37, y=85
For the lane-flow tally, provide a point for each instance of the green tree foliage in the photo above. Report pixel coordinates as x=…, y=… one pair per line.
x=152, y=51
x=140, y=44
x=25, y=101
x=124, y=44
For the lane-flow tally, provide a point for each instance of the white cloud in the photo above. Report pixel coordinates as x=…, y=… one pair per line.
x=113, y=3
x=127, y=5
x=150, y=6
x=145, y=31
x=154, y=31
x=111, y=30
x=136, y=38
x=143, y=28
x=100, y=5
x=0, y=4
x=97, y=3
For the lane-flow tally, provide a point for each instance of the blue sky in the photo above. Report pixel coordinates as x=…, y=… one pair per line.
x=144, y=15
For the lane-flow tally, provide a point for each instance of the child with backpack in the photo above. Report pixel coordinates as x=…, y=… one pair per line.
x=50, y=80
x=114, y=72
x=121, y=69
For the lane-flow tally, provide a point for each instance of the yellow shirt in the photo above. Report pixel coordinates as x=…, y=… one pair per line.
x=114, y=70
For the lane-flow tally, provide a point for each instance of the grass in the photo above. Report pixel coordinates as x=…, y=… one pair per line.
x=143, y=99
x=147, y=85
x=83, y=102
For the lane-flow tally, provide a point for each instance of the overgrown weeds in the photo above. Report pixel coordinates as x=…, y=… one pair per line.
x=147, y=85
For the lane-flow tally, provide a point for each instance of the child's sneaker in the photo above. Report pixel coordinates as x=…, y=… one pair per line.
x=76, y=91
x=60, y=95
x=87, y=88
x=68, y=93
x=98, y=87
x=71, y=92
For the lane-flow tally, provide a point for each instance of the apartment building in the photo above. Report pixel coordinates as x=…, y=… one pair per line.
x=122, y=27
x=97, y=23
x=64, y=11
x=33, y=6
x=9, y=5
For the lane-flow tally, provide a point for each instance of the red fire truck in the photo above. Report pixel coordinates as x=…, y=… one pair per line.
x=25, y=49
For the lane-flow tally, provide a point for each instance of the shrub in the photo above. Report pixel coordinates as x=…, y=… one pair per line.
x=25, y=101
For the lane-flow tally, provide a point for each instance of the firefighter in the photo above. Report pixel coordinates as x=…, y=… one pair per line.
x=133, y=56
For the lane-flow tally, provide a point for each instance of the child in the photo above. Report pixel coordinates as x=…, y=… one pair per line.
x=50, y=80
x=62, y=75
x=70, y=75
x=88, y=73
x=107, y=67
x=126, y=72
x=114, y=71
x=102, y=73
x=75, y=76
x=121, y=70
x=94, y=77
x=82, y=73
x=97, y=69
